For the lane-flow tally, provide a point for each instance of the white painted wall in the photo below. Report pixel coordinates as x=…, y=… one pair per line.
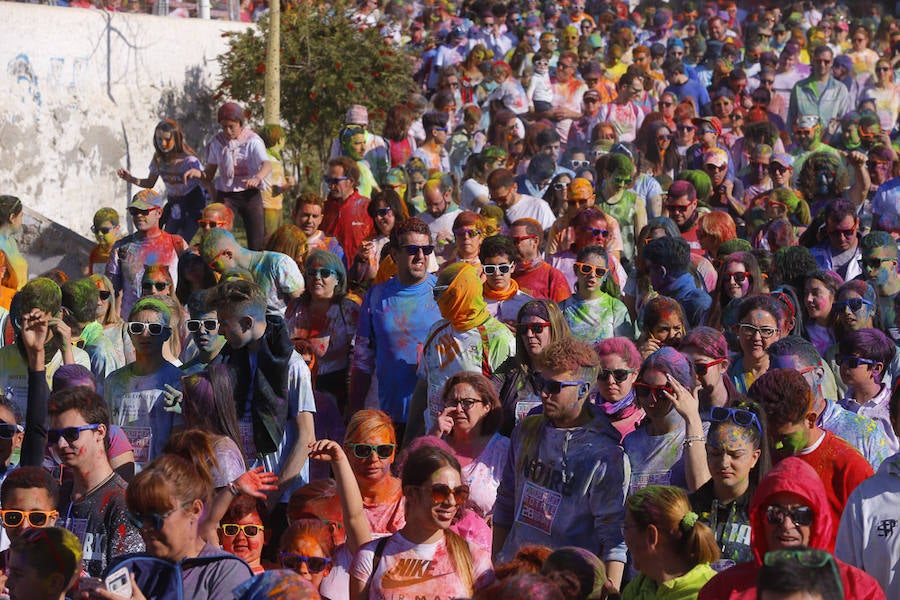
x=80, y=94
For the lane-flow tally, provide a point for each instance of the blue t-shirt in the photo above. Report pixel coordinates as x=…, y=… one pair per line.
x=394, y=321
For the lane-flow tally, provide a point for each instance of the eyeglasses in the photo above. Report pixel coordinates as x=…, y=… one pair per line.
x=444, y=129
x=677, y=207
x=103, y=230
x=738, y=278
x=596, y=232
x=767, y=81
x=207, y=325
x=552, y=386
x=364, y=451
x=315, y=564
x=413, y=249
x=716, y=168
x=643, y=390
x=467, y=233
x=853, y=362
x=210, y=224
x=465, y=403
x=663, y=138
x=153, y=520
x=586, y=269
x=765, y=332
x=873, y=263
x=320, y=273
x=70, y=434
x=518, y=239
x=154, y=285
x=335, y=180
x=702, y=368
x=801, y=515
x=883, y=69
x=704, y=131
x=619, y=375
x=494, y=269
x=591, y=100
x=440, y=493
x=577, y=164
x=139, y=327
x=105, y=294
x=667, y=104
x=534, y=328
x=251, y=530
x=777, y=169
x=383, y=212
x=744, y=418
x=134, y=212
x=36, y=518
x=437, y=290
x=854, y=304
x=622, y=180
x=565, y=66
x=560, y=186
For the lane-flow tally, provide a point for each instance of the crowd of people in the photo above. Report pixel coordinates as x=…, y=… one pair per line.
x=609, y=309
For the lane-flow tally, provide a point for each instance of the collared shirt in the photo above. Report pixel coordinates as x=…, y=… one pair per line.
x=829, y=100
x=877, y=409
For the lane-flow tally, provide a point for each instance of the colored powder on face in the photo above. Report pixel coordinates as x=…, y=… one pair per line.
x=792, y=444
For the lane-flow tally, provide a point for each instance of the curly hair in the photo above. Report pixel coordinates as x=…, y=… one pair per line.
x=784, y=394
x=569, y=355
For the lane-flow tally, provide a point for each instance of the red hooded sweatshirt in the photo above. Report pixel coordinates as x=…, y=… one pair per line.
x=790, y=475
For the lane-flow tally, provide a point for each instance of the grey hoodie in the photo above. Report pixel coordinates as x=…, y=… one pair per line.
x=564, y=487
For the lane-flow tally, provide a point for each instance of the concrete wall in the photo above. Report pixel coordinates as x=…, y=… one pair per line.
x=81, y=93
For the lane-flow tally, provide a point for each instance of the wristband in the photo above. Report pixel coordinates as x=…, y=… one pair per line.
x=688, y=440
x=233, y=489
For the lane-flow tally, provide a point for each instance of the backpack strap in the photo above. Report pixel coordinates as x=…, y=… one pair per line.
x=376, y=560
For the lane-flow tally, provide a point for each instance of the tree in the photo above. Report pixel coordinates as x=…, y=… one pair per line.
x=328, y=63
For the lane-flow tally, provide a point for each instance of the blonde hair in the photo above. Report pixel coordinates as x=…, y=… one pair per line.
x=667, y=508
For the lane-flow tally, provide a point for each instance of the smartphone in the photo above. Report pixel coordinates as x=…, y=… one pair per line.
x=119, y=583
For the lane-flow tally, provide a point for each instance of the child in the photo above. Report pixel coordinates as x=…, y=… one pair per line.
x=863, y=356
x=278, y=183
x=540, y=92
x=106, y=231
x=171, y=161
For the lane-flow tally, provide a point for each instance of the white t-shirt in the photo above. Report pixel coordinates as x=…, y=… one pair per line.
x=529, y=207
x=408, y=570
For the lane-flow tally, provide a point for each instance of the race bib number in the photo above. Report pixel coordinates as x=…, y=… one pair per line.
x=538, y=507
x=641, y=480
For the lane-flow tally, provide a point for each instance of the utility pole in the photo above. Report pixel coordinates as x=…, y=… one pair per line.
x=272, y=108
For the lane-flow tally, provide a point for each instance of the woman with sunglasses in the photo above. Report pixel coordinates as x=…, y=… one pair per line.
x=660, y=152
x=739, y=277
x=557, y=194
x=385, y=209
x=472, y=414
x=307, y=548
x=326, y=316
x=114, y=327
x=167, y=501
x=708, y=350
x=539, y=323
x=619, y=364
x=885, y=93
x=593, y=314
x=663, y=324
x=426, y=558
x=370, y=445
x=761, y=321
x=655, y=448
x=468, y=233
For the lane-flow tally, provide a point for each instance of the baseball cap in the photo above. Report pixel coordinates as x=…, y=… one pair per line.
x=807, y=121
x=146, y=199
x=716, y=157
x=785, y=160
x=714, y=121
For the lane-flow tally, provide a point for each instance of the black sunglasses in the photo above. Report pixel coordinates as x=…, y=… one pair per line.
x=157, y=285
x=364, y=451
x=619, y=375
x=105, y=294
x=207, y=325
x=413, y=249
x=535, y=328
x=315, y=564
x=552, y=386
x=851, y=361
x=802, y=515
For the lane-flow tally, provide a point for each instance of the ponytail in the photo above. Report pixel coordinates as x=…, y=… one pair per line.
x=698, y=540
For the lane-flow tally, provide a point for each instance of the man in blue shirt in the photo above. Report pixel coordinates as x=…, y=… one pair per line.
x=393, y=323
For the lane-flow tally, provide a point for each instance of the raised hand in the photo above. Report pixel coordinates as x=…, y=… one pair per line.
x=327, y=451
x=173, y=399
x=255, y=482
